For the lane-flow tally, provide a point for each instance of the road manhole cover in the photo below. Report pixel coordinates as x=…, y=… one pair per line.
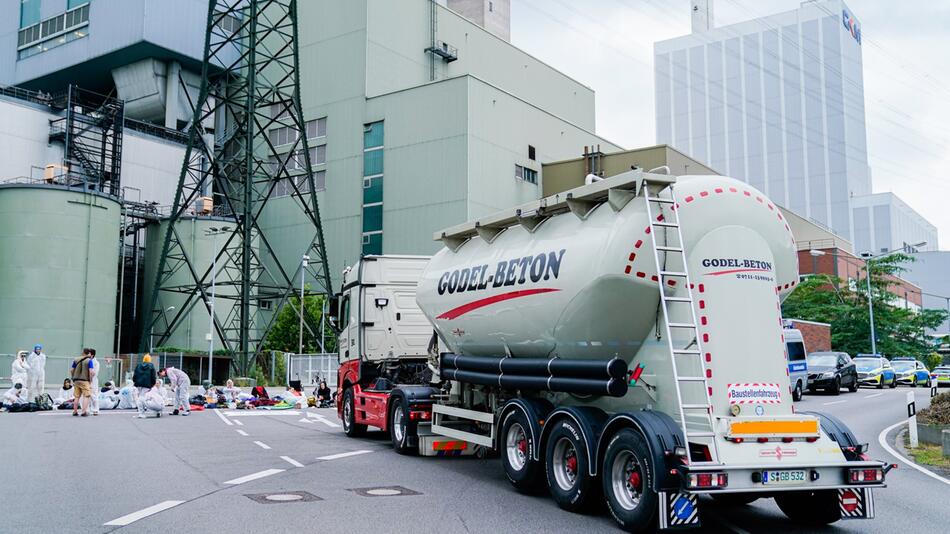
x=385, y=491
x=282, y=497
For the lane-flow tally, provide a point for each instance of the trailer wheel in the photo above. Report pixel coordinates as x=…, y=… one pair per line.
x=350, y=427
x=568, y=473
x=400, y=427
x=628, y=481
x=813, y=508
x=522, y=470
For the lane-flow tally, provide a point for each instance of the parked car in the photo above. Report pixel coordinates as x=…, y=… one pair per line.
x=875, y=370
x=797, y=362
x=911, y=372
x=942, y=374
x=831, y=371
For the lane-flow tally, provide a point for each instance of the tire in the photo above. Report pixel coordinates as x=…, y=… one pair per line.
x=565, y=459
x=836, y=388
x=350, y=427
x=853, y=388
x=797, y=393
x=401, y=429
x=627, y=480
x=893, y=383
x=517, y=447
x=734, y=499
x=813, y=508
x=880, y=384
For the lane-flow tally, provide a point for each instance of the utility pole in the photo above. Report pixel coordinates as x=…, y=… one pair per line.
x=304, y=261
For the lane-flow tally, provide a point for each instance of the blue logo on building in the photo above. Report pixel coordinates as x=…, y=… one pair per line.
x=851, y=24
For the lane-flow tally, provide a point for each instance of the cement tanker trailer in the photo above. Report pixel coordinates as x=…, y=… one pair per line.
x=618, y=341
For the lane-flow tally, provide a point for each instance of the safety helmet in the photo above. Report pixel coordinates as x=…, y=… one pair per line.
x=147, y=358
x=37, y=347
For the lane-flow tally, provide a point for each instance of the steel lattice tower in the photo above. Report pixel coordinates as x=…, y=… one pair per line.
x=250, y=86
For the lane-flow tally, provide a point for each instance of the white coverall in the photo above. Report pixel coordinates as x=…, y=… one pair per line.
x=94, y=384
x=36, y=375
x=64, y=395
x=19, y=372
x=128, y=397
x=180, y=383
x=12, y=396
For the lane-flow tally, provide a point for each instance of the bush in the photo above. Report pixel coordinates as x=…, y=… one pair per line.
x=938, y=413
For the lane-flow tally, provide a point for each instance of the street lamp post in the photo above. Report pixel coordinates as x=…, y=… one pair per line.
x=868, y=259
x=213, y=232
x=151, y=327
x=304, y=261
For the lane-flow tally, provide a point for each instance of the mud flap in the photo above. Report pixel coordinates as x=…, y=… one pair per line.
x=856, y=503
x=678, y=510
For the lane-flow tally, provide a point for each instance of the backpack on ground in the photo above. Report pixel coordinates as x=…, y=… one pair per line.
x=43, y=402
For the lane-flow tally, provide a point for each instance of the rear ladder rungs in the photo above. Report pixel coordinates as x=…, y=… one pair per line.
x=662, y=200
x=681, y=325
x=677, y=299
x=691, y=379
x=669, y=248
x=700, y=435
x=673, y=273
x=686, y=351
x=666, y=224
x=695, y=406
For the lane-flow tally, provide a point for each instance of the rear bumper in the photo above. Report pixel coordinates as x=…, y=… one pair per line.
x=742, y=478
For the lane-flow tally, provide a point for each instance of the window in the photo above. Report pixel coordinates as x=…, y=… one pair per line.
x=316, y=128
x=227, y=22
x=531, y=154
x=266, y=304
x=283, y=188
x=37, y=36
x=526, y=174
x=285, y=135
x=796, y=351
x=373, y=168
x=491, y=7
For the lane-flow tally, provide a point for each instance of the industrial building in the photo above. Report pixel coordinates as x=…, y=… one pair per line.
x=778, y=102
x=931, y=271
x=420, y=115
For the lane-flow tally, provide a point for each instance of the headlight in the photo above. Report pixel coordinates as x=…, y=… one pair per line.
x=876, y=373
x=829, y=374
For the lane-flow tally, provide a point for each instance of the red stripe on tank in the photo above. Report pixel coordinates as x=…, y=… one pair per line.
x=488, y=301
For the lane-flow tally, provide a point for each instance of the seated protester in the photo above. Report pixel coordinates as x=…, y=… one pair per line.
x=324, y=395
x=206, y=388
x=259, y=392
x=15, y=396
x=292, y=396
x=128, y=397
x=108, y=397
x=65, y=394
x=231, y=393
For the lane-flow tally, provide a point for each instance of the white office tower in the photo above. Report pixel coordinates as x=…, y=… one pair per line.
x=776, y=101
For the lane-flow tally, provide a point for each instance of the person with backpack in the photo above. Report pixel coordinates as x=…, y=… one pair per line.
x=180, y=383
x=83, y=371
x=143, y=379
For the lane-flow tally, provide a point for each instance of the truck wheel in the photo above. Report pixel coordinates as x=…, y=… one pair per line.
x=797, y=393
x=522, y=470
x=813, y=508
x=350, y=426
x=734, y=499
x=400, y=427
x=628, y=482
x=565, y=459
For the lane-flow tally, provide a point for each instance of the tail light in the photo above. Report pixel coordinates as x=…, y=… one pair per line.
x=420, y=416
x=866, y=475
x=707, y=480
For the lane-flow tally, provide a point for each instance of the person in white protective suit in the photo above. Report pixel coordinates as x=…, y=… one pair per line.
x=37, y=371
x=15, y=395
x=20, y=369
x=152, y=401
x=180, y=383
x=65, y=394
x=108, y=397
x=94, y=385
x=128, y=396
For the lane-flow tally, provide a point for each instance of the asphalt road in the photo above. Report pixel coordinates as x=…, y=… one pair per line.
x=199, y=474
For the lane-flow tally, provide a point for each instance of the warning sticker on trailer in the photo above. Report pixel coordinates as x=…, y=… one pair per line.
x=754, y=393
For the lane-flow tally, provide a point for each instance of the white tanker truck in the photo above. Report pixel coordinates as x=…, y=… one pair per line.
x=617, y=341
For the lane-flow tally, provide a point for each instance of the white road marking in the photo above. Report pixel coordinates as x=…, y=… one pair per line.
x=305, y=420
x=255, y=476
x=291, y=461
x=342, y=455
x=135, y=516
x=253, y=413
x=830, y=403
x=882, y=439
x=323, y=420
x=262, y=445
x=238, y=422
x=241, y=432
x=223, y=418
x=874, y=395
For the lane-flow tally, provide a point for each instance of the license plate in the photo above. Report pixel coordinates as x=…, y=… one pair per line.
x=772, y=478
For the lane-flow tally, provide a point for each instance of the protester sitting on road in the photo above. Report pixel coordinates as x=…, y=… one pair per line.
x=83, y=371
x=324, y=395
x=65, y=394
x=108, y=397
x=144, y=379
x=153, y=400
x=19, y=371
x=14, y=396
x=231, y=393
x=128, y=397
x=180, y=383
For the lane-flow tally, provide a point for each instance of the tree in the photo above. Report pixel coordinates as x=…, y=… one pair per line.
x=899, y=331
x=284, y=334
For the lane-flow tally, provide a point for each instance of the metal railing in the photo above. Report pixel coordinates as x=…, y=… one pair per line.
x=310, y=369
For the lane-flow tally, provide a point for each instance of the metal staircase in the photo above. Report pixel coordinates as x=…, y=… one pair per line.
x=686, y=352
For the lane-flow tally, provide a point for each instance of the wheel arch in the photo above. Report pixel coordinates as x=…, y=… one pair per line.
x=590, y=420
x=661, y=434
x=536, y=411
x=839, y=432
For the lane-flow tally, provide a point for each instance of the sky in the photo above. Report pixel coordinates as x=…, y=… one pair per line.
x=608, y=46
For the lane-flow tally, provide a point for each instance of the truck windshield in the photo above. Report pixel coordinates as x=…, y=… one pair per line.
x=822, y=360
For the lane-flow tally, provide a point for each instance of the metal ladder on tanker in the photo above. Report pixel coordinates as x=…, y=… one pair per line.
x=692, y=350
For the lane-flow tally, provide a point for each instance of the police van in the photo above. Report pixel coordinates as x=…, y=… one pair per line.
x=797, y=361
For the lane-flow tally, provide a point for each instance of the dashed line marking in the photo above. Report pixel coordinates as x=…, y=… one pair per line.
x=135, y=516
x=223, y=418
x=262, y=445
x=291, y=461
x=238, y=423
x=343, y=455
x=254, y=476
x=241, y=432
x=834, y=402
x=874, y=395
